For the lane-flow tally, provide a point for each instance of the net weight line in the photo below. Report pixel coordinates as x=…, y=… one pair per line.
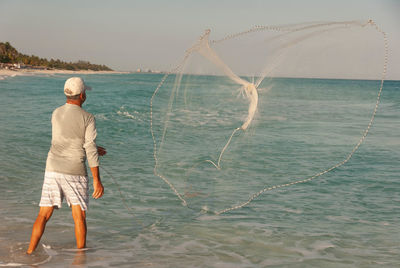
x=125, y=204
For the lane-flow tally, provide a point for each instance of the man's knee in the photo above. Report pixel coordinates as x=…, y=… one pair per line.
x=77, y=213
x=46, y=212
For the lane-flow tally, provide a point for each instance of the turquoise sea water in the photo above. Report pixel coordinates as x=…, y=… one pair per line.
x=349, y=217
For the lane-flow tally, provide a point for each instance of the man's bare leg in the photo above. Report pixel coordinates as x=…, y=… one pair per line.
x=79, y=216
x=39, y=226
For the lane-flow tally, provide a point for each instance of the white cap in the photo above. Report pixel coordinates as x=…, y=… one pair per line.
x=75, y=86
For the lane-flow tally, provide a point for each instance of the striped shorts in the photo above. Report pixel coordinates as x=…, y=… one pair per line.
x=56, y=186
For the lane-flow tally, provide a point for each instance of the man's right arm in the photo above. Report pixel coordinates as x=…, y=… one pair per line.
x=98, y=189
x=93, y=157
x=90, y=143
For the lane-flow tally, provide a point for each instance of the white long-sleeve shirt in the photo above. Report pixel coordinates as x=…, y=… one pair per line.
x=73, y=140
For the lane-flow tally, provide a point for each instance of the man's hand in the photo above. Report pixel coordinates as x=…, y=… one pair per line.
x=98, y=189
x=101, y=150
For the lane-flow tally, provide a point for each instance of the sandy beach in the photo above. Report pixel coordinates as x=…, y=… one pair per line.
x=5, y=73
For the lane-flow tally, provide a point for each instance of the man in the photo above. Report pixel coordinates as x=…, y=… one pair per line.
x=73, y=140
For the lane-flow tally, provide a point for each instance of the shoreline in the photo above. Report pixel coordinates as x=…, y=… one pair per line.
x=26, y=72
x=5, y=73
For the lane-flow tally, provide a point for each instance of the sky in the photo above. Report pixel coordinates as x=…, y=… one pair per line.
x=126, y=35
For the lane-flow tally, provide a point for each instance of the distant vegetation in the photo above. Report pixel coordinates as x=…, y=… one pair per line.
x=8, y=54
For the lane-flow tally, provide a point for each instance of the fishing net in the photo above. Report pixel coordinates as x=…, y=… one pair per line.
x=264, y=109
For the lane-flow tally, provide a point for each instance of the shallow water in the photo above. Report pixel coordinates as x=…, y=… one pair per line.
x=346, y=218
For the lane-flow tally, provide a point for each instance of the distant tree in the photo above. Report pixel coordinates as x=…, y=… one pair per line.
x=8, y=54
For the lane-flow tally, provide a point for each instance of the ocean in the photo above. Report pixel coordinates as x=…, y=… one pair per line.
x=348, y=217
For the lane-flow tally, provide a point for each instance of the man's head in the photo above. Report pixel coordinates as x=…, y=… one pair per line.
x=75, y=89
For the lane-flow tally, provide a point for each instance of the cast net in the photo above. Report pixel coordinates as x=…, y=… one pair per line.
x=264, y=109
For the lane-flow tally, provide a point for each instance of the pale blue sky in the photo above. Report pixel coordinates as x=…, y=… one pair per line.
x=126, y=35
